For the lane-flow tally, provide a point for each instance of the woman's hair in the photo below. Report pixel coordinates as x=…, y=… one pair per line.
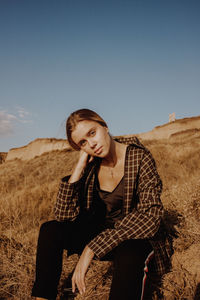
x=78, y=116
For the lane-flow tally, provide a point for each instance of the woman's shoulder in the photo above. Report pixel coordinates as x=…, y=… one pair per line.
x=136, y=150
x=131, y=141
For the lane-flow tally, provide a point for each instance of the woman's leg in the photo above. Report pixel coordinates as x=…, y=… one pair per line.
x=129, y=264
x=49, y=259
x=55, y=236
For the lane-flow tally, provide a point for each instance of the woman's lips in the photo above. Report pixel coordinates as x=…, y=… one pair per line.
x=99, y=150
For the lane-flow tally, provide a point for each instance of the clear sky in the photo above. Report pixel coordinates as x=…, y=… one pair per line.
x=133, y=61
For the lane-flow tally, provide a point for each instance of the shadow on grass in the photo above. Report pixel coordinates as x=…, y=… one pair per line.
x=172, y=219
x=197, y=292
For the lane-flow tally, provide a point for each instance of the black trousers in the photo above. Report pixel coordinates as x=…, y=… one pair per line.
x=129, y=259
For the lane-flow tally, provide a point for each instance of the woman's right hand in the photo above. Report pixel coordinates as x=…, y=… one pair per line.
x=83, y=160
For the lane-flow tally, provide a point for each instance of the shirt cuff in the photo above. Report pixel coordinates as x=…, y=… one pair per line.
x=68, y=185
x=104, y=243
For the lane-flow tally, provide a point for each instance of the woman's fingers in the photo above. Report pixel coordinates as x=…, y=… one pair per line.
x=78, y=280
x=83, y=157
x=73, y=284
x=81, y=285
x=91, y=158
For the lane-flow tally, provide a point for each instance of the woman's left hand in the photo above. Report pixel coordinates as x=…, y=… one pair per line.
x=78, y=278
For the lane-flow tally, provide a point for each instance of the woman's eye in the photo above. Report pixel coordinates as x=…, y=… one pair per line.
x=82, y=143
x=92, y=133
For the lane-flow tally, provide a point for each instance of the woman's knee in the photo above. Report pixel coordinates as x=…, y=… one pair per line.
x=49, y=225
x=132, y=253
x=50, y=228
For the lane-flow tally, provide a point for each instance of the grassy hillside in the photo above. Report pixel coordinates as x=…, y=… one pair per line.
x=28, y=190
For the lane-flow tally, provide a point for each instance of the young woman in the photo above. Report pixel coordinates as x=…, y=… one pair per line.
x=109, y=208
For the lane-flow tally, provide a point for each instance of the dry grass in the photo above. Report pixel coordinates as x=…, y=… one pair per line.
x=2, y=157
x=28, y=191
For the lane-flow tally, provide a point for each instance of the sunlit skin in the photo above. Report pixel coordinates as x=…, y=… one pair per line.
x=94, y=140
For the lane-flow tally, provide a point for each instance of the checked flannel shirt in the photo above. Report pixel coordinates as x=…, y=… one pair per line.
x=142, y=208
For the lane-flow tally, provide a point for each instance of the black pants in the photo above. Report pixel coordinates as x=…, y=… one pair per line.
x=129, y=259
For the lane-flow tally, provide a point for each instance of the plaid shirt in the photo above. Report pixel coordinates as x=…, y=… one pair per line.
x=142, y=208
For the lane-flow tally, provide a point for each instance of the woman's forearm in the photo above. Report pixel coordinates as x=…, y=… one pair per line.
x=79, y=168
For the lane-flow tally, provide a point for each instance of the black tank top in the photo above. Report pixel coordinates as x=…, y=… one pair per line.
x=113, y=201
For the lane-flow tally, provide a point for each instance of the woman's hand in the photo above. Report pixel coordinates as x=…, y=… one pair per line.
x=78, y=278
x=84, y=158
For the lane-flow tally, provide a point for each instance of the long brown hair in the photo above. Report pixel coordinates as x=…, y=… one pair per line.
x=78, y=116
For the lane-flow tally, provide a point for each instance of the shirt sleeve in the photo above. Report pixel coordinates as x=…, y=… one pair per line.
x=144, y=220
x=67, y=202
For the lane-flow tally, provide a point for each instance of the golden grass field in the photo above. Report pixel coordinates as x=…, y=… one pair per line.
x=28, y=190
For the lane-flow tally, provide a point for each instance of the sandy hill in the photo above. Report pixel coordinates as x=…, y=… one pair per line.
x=171, y=129
x=176, y=129
x=36, y=148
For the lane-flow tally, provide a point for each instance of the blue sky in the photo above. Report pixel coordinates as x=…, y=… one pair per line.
x=134, y=62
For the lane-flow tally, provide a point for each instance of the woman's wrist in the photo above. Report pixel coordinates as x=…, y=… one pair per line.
x=76, y=175
x=89, y=251
x=79, y=168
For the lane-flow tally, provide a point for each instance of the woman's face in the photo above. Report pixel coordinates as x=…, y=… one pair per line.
x=92, y=138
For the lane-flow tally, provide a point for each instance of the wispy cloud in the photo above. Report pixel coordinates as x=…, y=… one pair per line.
x=23, y=115
x=8, y=120
x=6, y=123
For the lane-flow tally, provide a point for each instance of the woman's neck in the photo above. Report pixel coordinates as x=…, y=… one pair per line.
x=115, y=154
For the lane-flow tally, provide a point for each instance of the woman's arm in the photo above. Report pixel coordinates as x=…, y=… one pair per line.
x=144, y=220
x=78, y=278
x=79, y=168
x=67, y=203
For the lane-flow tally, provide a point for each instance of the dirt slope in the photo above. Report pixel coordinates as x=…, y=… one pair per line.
x=36, y=148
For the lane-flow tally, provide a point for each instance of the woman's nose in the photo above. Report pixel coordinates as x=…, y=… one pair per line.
x=92, y=143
